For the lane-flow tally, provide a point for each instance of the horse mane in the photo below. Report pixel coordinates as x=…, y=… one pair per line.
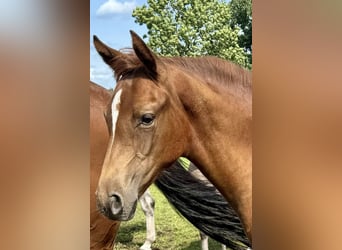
x=203, y=206
x=212, y=70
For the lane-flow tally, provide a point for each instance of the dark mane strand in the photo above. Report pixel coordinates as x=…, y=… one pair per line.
x=203, y=206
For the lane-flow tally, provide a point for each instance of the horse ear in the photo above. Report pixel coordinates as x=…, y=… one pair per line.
x=106, y=52
x=145, y=55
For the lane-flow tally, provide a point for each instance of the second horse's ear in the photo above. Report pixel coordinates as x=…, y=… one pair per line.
x=106, y=52
x=145, y=55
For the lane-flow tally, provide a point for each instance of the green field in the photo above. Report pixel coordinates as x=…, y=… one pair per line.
x=173, y=231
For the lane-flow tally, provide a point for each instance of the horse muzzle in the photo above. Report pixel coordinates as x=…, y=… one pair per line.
x=115, y=208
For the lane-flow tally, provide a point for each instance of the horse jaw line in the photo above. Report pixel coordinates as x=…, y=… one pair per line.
x=115, y=111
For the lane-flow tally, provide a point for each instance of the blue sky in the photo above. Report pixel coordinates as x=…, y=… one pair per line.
x=111, y=21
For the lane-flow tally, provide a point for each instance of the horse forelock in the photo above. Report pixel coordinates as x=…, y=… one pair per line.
x=125, y=63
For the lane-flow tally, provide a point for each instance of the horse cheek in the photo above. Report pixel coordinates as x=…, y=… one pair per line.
x=143, y=142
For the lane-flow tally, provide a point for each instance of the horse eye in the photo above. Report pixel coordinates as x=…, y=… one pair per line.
x=147, y=119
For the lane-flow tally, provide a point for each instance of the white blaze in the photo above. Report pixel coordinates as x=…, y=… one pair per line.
x=115, y=111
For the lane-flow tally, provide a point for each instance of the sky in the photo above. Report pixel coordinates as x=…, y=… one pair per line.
x=110, y=21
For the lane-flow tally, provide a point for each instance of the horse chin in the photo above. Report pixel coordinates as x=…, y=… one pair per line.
x=130, y=212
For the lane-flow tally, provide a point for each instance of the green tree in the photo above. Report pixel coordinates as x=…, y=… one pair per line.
x=241, y=16
x=191, y=28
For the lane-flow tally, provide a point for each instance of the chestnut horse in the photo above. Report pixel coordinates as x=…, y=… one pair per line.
x=208, y=211
x=102, y=230
x=164, y=108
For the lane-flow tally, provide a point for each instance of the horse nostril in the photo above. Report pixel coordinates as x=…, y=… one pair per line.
x=115, y=203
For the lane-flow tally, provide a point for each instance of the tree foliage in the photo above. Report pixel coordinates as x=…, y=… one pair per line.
x=192, y=28
x=241, y=16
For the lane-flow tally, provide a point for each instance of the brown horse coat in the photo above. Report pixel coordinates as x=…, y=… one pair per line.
x=102, y=230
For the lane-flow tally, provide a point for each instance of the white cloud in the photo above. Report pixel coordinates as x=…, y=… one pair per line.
x=102, y=75
x=115, y=7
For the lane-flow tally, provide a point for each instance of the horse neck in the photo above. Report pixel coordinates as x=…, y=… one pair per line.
x=221, y=135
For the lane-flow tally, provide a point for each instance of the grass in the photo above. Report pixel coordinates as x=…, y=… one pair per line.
x=173, y=231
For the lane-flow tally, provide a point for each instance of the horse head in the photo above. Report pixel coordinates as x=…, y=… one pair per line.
x=148, y=129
